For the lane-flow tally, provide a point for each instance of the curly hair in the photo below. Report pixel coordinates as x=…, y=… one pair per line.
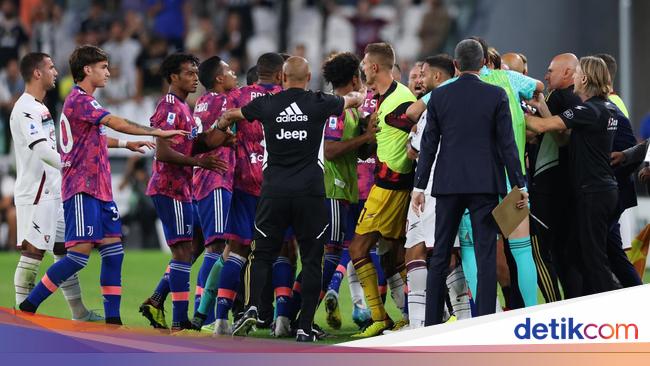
x=341, y=68
x=172, y=64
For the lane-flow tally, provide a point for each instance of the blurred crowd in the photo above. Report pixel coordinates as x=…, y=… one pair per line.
x=138, y=34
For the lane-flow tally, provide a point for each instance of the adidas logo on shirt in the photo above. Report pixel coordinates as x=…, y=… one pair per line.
x=291, y=114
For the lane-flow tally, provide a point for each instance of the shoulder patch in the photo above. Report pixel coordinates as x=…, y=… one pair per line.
x=332, y=122
x=171, y=117
x=568, y=114
x=95, y=104
x=32, y=129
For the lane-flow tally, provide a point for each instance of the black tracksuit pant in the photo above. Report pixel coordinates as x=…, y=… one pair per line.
x=595, y=213
x=308, y=218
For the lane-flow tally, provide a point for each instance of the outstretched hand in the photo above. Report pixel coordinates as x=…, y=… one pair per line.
x=167, y=134
x=138, y=146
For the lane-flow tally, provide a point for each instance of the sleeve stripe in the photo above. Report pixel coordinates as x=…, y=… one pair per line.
x=31, y=146
x=331, y=138
x=99, y=119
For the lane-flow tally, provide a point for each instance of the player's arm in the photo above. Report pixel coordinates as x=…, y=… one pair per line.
x=547, y=122
x=131, y=128
x=211, y=139
x=136, y=146
x=354, y=99
x=46, y=154
x=415, y=110
x=165, y=154
x=398, y=119
x=228, y=118
x=36, y=139
x=541, y=124
x=334, y=149
x=429, y=146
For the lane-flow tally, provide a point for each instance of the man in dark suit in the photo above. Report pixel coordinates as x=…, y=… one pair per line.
x=471, y=122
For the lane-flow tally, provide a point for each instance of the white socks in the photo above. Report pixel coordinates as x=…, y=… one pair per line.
x=25, y=277
x=458, y=293
x=356, y=291
x=416, y=277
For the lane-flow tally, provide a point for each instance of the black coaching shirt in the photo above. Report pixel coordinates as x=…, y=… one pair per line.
x=593, y=125
x=550, y=162
x=294, y=123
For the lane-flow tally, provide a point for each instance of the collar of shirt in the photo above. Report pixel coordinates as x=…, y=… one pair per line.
x=468, y=74
x=391, y=88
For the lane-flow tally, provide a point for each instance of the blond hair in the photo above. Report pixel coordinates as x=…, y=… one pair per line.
x=597, y=76
x=382, y=53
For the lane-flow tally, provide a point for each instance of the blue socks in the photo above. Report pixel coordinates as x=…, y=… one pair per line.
x=228, y=284
x=179, y=284
x=337, y=278
x=110, y=280
x=57, y=273
x=282, y=281
x=330, y=264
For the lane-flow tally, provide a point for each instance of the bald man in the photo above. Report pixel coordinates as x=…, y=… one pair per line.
x=547, y=190
x=293, y=190
x=514, y=62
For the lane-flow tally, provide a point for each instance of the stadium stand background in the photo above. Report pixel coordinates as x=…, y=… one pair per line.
x=137, y=37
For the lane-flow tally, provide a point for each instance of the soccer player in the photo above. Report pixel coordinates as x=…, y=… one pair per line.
x=342, y=140
x=247, y=184
x=171, y=186
x=91, y=216
x=384, y=214
x=212, y=190
x=420, y=228
x=39, y=209
x=365, y=174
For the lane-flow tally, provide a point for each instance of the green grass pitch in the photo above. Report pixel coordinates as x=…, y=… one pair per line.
x=140, y=274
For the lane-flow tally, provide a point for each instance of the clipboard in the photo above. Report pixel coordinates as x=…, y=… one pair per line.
x=507, y=215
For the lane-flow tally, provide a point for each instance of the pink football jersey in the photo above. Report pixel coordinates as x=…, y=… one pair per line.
x=208, y=109
x=84, y=147
x=369, y=105
x=171, y=180
x=250, y=137
x=366, y=173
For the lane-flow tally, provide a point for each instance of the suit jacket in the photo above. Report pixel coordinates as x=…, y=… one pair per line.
x=471, y=122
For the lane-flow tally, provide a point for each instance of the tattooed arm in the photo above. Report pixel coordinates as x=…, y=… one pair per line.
x=131, y=128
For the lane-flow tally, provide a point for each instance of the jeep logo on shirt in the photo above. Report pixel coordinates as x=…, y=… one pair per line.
x=291, y=135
